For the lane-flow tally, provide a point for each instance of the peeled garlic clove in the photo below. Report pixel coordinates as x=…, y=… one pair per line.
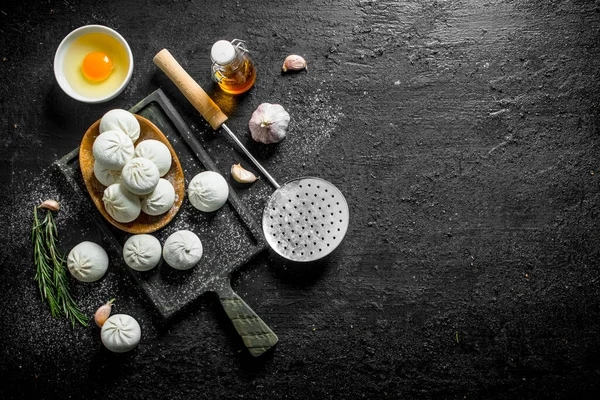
x=51, y=205
x=241, y=175
x=269, y=123
x=293, y=63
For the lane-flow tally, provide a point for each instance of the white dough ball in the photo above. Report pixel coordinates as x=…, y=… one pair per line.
x=120, y=333
x=160, y=200
x=121, y=204
x=140, y=176
x=208, y=191
x=142, y=252
x=113, y=149
x=121, y=120
x=106, y=176
x=87, y=262
x=157, y=152
x=182, y=250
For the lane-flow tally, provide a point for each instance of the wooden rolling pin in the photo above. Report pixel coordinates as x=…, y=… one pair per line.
x=190, y=89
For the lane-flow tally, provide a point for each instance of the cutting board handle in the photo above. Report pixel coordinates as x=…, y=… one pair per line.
x=257, y=336
x=190, y=89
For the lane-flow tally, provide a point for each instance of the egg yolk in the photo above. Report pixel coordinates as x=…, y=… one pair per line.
x=96, y=66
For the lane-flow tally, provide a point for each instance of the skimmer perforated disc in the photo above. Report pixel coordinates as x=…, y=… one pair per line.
x=305, y=219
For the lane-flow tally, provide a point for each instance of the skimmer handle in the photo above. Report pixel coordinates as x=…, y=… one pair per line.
x=249, y=155
x=257, y=336
x=202, y=102
x=190, y=89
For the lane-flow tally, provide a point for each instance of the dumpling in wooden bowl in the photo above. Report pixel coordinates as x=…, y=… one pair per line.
x=144, y=223
x=160, y=200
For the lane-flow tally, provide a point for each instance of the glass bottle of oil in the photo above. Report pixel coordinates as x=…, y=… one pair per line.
x=232, y=67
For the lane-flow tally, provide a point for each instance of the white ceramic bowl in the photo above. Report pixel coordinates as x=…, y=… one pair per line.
x=59, y=62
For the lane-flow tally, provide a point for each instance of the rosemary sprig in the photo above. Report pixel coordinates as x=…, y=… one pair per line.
x=44, y=271
x=68, y=304
x=51, y=271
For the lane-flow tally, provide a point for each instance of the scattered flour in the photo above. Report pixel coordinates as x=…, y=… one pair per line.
x=309, y=135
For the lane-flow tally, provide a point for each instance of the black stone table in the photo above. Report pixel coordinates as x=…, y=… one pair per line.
x=465, y=137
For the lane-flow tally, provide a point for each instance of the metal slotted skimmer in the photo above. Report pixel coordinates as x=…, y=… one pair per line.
x=306, y=218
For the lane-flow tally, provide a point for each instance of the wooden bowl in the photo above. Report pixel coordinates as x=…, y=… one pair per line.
x=144, y=223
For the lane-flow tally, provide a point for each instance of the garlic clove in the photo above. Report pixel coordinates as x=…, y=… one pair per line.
x=269, y=123
x=51, y=205
x=294, y=63
x=242, y=175
x=103, y=312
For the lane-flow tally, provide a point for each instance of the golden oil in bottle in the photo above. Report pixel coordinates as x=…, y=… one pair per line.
x=232, y=67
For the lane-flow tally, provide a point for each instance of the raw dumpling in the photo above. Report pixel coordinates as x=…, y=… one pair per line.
x=121, y=204
x=160, y=200
x=140, y=176
x=121, y=120
x=106, y=176
x=87, y=262
x=120, y=333
x=182, y=250
x=113, y=149
x=157, y=152
x=208, y=191
x=142, y=252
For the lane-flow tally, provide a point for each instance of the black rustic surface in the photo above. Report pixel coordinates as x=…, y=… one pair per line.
x=465, y=137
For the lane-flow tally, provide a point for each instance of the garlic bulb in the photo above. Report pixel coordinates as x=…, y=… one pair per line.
x=269, y=123
x=293, y=63
x=241, y=175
